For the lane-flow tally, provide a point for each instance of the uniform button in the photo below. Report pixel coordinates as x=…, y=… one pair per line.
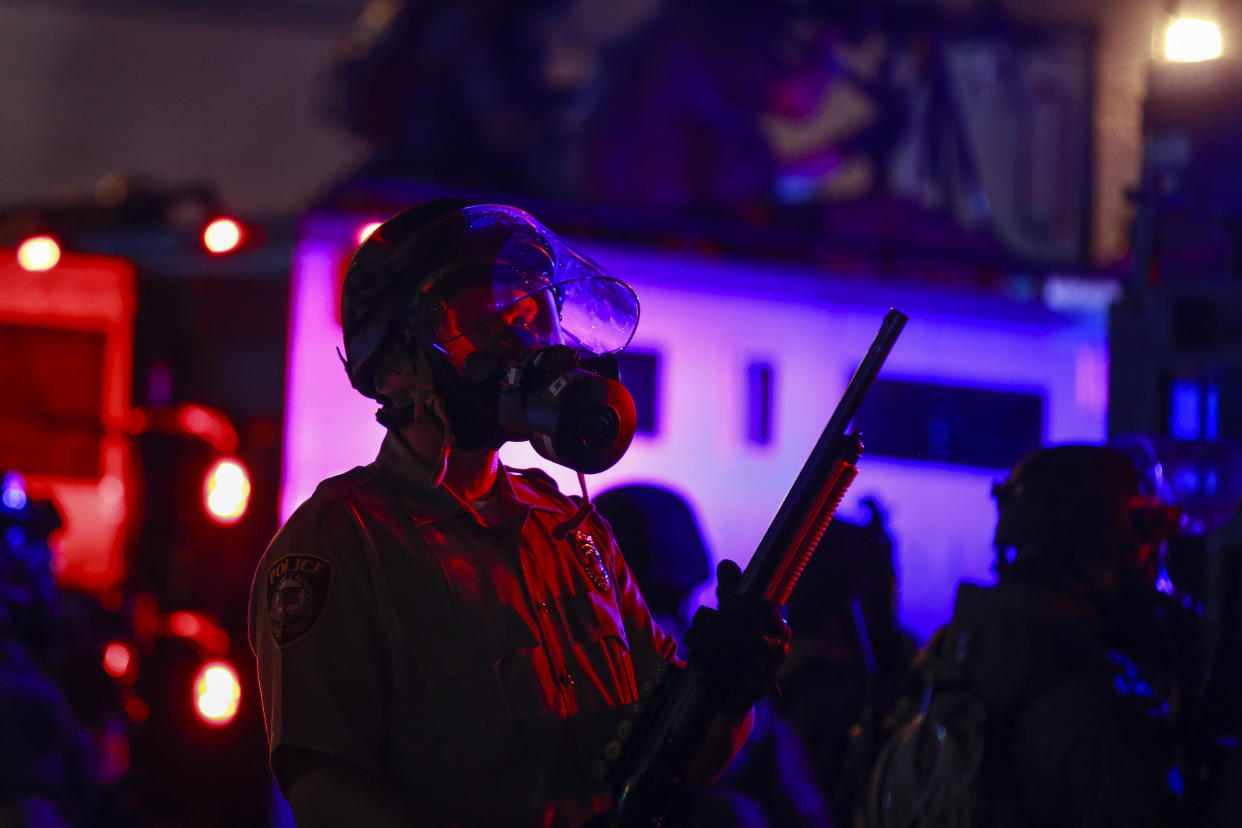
x=568, y=678
x=543, y=606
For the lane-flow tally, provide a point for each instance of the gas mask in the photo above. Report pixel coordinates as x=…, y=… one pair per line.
x=575, y=412
x=518, y=329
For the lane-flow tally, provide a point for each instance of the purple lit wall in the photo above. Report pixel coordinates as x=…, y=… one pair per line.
x=709, y=320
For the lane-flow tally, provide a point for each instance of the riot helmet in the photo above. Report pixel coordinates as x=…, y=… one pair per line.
x=516, y=325
x=1075, y=506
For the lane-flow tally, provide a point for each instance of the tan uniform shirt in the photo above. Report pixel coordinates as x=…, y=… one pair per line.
x=482, y=666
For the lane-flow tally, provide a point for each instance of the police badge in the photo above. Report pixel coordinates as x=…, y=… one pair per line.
x=592, y=561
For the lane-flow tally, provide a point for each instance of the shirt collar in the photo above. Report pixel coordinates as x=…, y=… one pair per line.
x=412, y=478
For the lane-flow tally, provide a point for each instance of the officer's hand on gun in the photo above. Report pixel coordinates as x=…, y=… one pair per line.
x=739, y=647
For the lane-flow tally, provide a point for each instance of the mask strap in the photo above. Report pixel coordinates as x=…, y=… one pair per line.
x=584, y=510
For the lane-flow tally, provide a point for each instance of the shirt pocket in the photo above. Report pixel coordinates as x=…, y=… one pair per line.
x=601, y=645
x=592, y=618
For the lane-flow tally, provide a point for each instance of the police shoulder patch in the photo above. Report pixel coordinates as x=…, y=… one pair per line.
x=297, y=589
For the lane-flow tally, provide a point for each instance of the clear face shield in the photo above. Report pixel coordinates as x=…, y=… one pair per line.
x=501, y=272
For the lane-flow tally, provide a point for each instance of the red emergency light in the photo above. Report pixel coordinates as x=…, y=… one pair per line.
x=217, y=693
x=118, y=659
x=200, y=629
x=226, y=491
x=137, y=709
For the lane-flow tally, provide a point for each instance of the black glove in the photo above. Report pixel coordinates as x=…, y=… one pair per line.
x=738, y=648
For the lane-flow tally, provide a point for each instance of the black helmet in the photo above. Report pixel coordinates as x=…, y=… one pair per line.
x=437, y=273
x=656, y=530
x=1072, y=502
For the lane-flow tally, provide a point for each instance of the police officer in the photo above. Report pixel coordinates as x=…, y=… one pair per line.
x=1046, y=700
x=445, y=641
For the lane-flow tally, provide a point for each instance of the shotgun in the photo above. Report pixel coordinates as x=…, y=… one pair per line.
x=646, y=764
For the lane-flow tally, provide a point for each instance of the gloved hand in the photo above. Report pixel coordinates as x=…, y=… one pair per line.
x=738, y=648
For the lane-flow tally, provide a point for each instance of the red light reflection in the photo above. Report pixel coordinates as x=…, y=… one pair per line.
x=137, y=709
x=185, y=624
x=117, y=659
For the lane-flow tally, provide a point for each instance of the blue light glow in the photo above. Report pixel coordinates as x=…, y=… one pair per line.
x=1211, y=412
x=1177, y=785
x=1186, y=481
x=1163, y=582
x=13, y=492
x=795, y=189
x=1184, y=410
x=1128, y=681
x=14, y=538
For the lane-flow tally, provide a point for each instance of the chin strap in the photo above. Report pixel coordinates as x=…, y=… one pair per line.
x=436, y=407
x=391, y=417
x=433, y=408
x=584, y=509
x=440, y=412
